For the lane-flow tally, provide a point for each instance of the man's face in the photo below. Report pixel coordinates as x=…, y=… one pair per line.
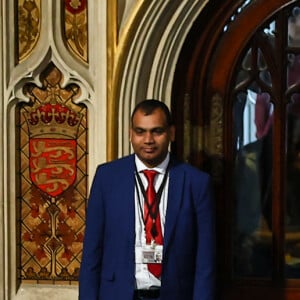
x=150, y=137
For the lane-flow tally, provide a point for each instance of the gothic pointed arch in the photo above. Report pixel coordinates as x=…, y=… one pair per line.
x=147, y=56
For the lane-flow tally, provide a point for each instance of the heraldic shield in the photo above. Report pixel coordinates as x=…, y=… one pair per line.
x=52, y=164
x=53, y=130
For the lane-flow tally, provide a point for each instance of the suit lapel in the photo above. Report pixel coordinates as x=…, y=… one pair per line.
x=175, y=197
x=126, y=193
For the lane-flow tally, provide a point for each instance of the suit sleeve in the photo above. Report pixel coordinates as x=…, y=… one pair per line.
x=204, y=285
x=90, y=269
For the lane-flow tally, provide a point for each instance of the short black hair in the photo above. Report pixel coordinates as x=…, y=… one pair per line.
x=149, y=105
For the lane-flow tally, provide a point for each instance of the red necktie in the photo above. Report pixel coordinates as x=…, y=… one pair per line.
x=152, y=225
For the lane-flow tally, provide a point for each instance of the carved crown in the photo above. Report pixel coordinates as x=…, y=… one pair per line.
x=49, y=120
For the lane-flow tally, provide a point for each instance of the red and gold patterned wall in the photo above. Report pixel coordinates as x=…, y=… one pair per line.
x=52, y=173
x=51, y=152
x=74, y=27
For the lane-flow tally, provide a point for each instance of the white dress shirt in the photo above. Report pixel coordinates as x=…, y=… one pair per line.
x=144, y=279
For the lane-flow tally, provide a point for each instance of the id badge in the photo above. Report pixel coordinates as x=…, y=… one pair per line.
x=152, y=255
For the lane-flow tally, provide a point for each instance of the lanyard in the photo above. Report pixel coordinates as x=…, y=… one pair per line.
x=138, y=183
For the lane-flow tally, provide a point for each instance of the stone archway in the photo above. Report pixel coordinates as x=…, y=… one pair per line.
x=147, y=62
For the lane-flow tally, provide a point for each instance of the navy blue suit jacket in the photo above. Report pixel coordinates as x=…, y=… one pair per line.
x=108, y=264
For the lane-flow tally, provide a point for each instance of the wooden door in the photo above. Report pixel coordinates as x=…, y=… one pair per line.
x=236, y=102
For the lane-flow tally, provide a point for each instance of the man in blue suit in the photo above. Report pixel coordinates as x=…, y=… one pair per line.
x=149, y=238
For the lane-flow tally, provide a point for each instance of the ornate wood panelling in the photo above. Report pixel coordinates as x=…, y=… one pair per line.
x=247, y=84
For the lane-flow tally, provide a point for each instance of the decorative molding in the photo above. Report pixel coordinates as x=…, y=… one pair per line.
x=118, y=42
x=145, y=60
x=216, y=126
x=215, y=140
x=112, y=40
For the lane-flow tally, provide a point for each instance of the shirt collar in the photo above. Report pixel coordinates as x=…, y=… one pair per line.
x=161, y=168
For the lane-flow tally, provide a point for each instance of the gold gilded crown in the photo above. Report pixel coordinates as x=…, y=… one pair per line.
x=53, y=120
